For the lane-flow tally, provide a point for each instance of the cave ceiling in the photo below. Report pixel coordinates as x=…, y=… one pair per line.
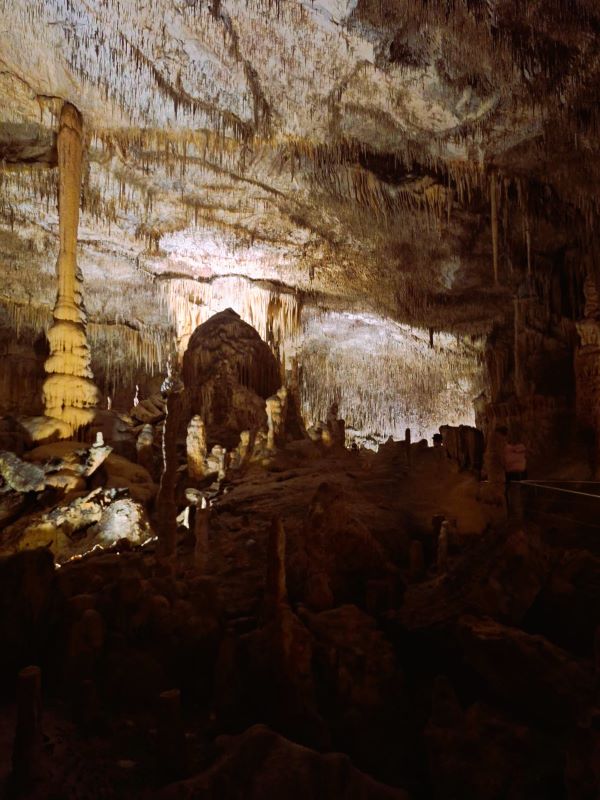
x=343, y=150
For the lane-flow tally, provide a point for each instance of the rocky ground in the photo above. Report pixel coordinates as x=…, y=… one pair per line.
x=322, y=655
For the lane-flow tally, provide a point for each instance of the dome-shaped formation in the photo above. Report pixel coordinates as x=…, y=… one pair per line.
x=229, y=371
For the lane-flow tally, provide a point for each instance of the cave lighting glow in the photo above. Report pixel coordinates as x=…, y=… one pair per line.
x=384, y=375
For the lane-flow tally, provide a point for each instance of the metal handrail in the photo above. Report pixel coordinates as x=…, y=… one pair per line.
x=558, y=489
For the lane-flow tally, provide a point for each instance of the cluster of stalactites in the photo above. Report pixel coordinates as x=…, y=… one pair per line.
x=121, y=39
x=119, y=352
x=275, y=315
x=406, y=383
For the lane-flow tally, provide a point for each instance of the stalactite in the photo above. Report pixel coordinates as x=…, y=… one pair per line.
x=423, y=386
x=70, y=393
x=121, y=352
x=169, y=141
x=275, y=315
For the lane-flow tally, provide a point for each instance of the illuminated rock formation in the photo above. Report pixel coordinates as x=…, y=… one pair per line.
x=98, y=519
x=239, y=455
x=196, y=448
x=70, y=393
x=228, y=373
x=276, y=407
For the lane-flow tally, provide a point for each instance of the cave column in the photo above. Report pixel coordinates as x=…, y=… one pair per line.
x=69, y=390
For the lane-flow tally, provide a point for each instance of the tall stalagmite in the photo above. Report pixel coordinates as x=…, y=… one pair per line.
x=172, y=390
x=69, y=390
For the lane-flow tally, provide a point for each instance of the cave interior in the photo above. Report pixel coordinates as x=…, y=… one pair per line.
x=300, y=399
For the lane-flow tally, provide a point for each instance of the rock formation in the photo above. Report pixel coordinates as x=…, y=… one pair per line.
x=144, y=447
x=69, y=390
x=269, y=764
x=167, y=524
x=276, y=408
x=275, y=583
x=196, y=448
x=337, y=548
x=229, y=372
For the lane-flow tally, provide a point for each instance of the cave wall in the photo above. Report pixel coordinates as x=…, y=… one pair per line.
x=542, y=362
x=21, y=374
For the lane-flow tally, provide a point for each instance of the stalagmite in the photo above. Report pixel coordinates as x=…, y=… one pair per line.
x=276, y=585
x=216, y=461
x=200, y=526
x=196, y=448
x=334, y=432
x=276, y=407
x=165, y=500
x=239, y=455
x=201, y=547
x=143, y=446
x=69, y=390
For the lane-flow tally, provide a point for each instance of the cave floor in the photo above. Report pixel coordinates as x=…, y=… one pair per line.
x=472, y=681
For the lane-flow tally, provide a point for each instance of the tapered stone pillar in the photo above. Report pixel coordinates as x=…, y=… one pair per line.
x=69, y=390
x=172, y=390
x=201, y=528
x=196, y=448
x=276, y=584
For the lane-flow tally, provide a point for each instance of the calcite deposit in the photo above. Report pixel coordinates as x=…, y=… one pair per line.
x=69, y=391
